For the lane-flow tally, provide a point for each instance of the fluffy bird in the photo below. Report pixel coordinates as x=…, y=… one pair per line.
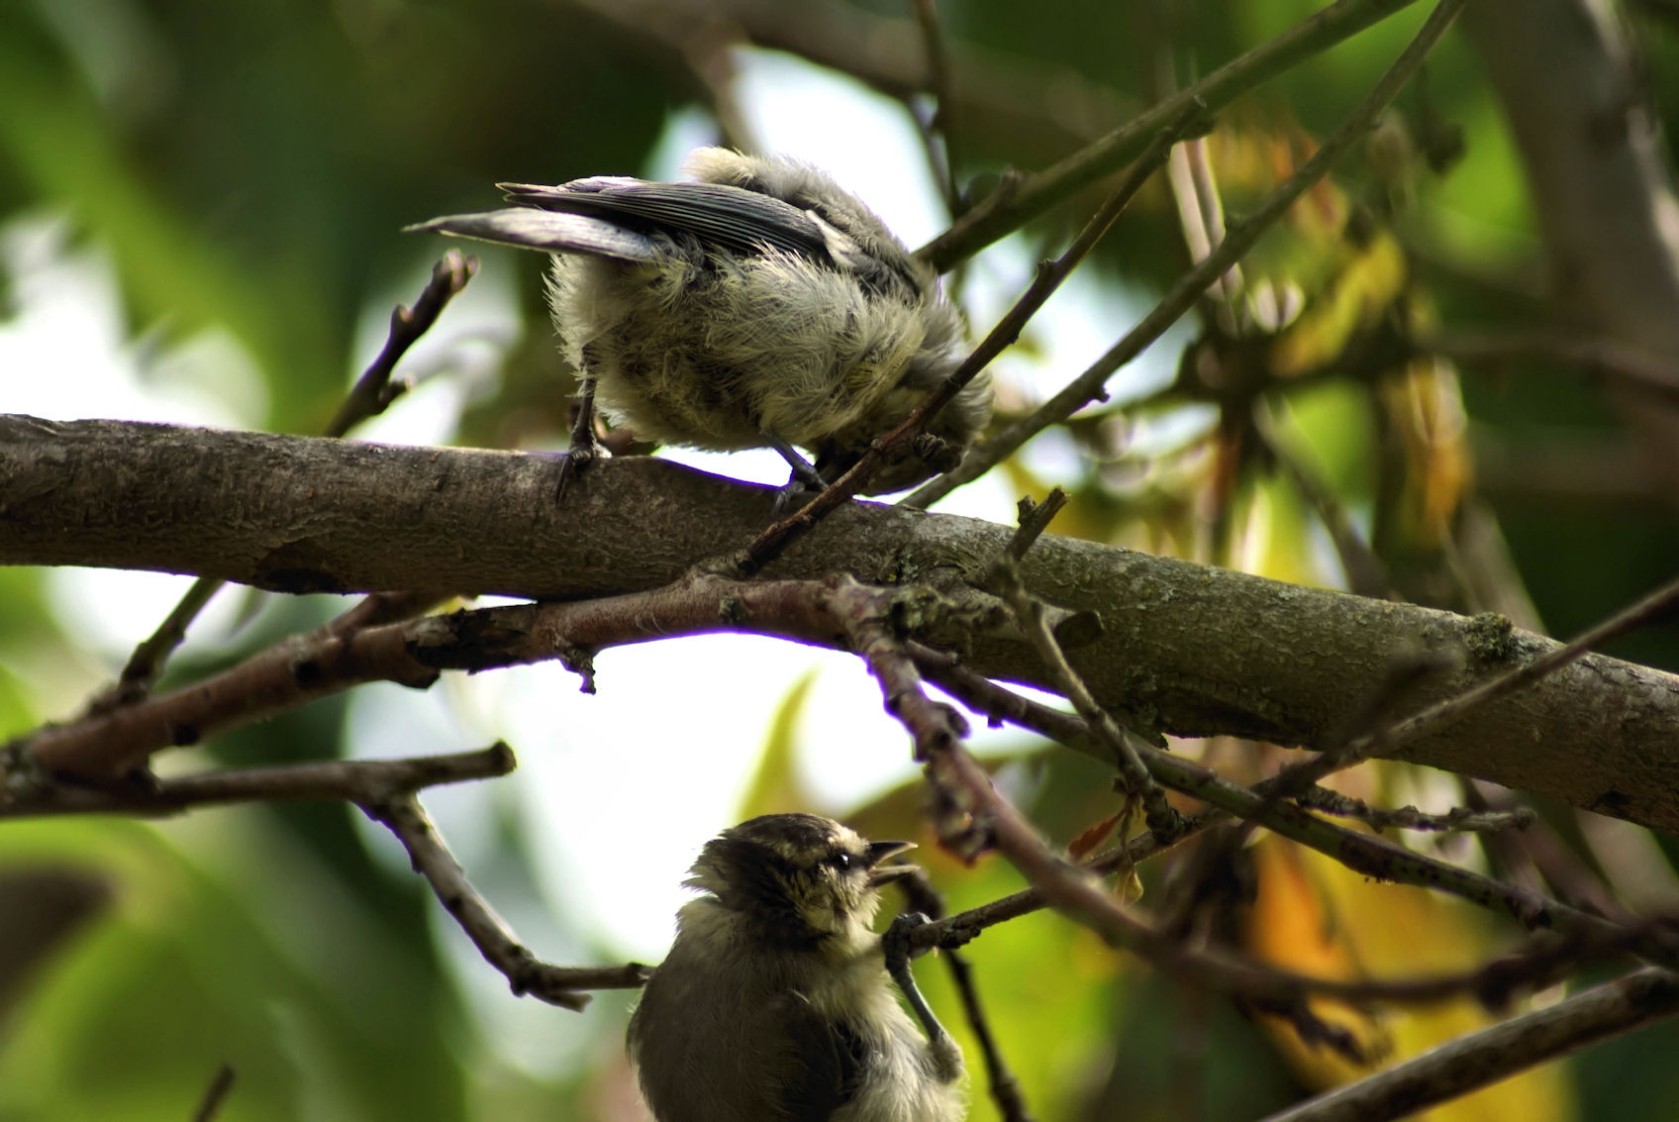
x=759, y=305
x=775, y=1004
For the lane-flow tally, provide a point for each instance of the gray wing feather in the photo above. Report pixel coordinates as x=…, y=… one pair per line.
x=547, y=230
x=717, y=214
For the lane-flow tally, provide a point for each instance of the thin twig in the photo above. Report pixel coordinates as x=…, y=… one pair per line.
x=1004, y=1087
x=1366, y=575
x=1241, y=238
x=385, y=790
x=1005, y=1090
x=1482, y=1058
x=348, y=780
x=1049, y=277
x=145, y=665
x=1662, y=602
x=526, y=974
x=1457, y=820
x=379, y=608
x=1073, y=891
x=375, y=389
x=970, y=815
x=963, y=927
x=1004, y=579
x=414, y=653
x=1372, y=856
x=1034, y=520
x=1317, y=33
x=1201, y=216
x=371, y=395
x=1390, y=739
x=215, y=1094
x=1538, y=963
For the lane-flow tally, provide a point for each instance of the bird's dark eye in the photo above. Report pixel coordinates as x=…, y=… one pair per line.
x=841, y=861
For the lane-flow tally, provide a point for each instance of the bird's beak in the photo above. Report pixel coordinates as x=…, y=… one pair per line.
x=880, y=851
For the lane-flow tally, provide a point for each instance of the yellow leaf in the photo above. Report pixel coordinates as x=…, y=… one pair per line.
x=1425, y=409
x=1359, y=294
x=1314, y=915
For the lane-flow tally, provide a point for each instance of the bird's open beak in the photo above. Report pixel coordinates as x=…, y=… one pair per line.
x=880, y=851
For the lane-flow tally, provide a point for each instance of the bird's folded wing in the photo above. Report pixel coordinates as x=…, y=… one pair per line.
x=547, y=230
x=717, y=214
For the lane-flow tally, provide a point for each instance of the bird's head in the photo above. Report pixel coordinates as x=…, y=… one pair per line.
x=800, y=881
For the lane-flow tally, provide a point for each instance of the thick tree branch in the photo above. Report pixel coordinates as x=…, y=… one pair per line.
x=1186, y=648
x=372, y=394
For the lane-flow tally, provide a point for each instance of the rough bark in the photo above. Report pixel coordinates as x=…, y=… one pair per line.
x=1190, y=649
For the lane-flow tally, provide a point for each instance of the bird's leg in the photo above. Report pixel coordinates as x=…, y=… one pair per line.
x=806, y=480
x=802, y=471
x=896, y=947
x=585, y=447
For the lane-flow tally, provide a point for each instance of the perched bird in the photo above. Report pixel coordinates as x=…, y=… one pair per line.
x=760, y=305
x=774, y=1004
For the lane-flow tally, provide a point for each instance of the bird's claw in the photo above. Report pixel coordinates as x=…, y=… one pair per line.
x=895, y=944
x=791, y=496
x=577, y=460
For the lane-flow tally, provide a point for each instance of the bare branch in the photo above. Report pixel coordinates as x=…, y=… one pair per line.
x=970, y=817
x=374, y=390
x=1238, y=241
x=305, y=514
x=1005, y=1090
x=1366, y=575
x=526, y=974
x=1485, y=1057
x=1458, y=819
x=1163, y=821
x=1006, y=212
x=1050, y=276
x=215, y=1094
x=413, y=653
x=1375, y=857
x=372, y=394
x=349, y=780
x=1390, y=739
x=942, y=126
